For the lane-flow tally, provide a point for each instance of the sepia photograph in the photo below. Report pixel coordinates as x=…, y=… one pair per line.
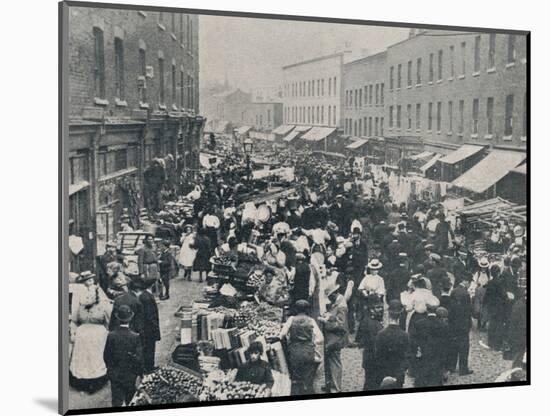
x=268, y=208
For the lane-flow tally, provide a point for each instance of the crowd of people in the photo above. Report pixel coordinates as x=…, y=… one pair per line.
x=352, y=268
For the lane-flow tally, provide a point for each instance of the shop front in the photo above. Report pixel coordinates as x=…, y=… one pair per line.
x=462, y=159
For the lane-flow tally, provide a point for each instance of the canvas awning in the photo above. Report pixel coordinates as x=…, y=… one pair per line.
x=243, y=129
x=430, y=162
x=357, y=144
x=283, y=129
x=522, y=169
x=489, y=170
x=463, y=152
x=291, y=136
x=422, y=156
x=318, y=133
x=301, y=129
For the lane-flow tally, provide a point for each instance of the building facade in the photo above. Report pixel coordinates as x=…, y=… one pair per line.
x=364, y=96
x=450, y=89
x=133, y=97
x=264, y=116
x=312, y=91
x=231, y=106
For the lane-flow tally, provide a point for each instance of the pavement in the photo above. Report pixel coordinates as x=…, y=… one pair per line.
x=487, y=364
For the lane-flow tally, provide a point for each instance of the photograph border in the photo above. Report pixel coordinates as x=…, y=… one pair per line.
x=63, y=302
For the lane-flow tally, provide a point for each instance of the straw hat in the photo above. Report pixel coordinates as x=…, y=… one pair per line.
x=86, y=275
x=375, y=264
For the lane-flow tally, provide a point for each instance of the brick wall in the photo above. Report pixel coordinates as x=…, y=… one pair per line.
x=135, y=28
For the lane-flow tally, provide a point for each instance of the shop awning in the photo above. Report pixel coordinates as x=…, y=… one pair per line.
x=318, y=133
x=422, y=156
x=291, y=136
x=463, y=152
x=522, y=169
x=357, y=144
x=489, y=170
x=283, y=129
x=243, y=129
x=431, y=162
x=301, y=129
x=77, y=187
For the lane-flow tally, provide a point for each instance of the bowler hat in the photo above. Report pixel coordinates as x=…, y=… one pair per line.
x=395, y=306
x=124, y=314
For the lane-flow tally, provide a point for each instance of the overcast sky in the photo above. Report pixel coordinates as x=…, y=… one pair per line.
x=251, y=52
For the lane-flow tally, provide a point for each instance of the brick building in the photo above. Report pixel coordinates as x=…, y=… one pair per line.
x=452, y=88
x=230, y=106
x=133, y=96
x=264, y=115
x=364, y=96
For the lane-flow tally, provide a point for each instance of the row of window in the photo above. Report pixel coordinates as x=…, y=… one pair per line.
x=311, y=88
x=396, y=115
x=396, y=79
x=311, y=115
x=186, y=84
x=364, y=127
x=173, y=17
x=108, y=162
x=368, y=95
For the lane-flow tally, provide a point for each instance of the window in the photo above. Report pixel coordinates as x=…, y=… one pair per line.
x=398, y=116
x=461, y=117
x=439, y=116
x=335, y=89
x=174, y=89
x=142, y=89
x=431, y=69
x=440, y=65
x=173, y=16
x=391, y=78
x=419, y=71
x=450, y=117
x=376, y=126
x=409, y=73
x=161, y=80
x=477, y=46
x=356, y=97
x=132, y=156
x=334, y=109
x=370, y=126
x=161, y=17
x=463, y=53
x=323, y=87
x=318, y=88
x=370, y=94
x=360, y=127
x=430, y=116
x=511, y=48
x=360, y=97
x=329, y=87
x=347, y=98
x=309, y=114
x=399, y=76
x=366, y=94
x=382, y=94
x=418, y=114
x=181, y=28
x=317, y=116
x=409, y=117
x=490, y=110
x=355, y=128
x=377, y=94
x=364, y=126
x=119, y=69
x=190, y=35
x=391, y=116
x=381, y=126
x=475, y=116
x=322, y=114
x=508, y=120
x=99, y=63
x=121, y=159
x=329, y=114
x=452, y=61
x=78, y=169
x=491, y=60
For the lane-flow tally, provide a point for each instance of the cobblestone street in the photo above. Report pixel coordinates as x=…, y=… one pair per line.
x=487, y=364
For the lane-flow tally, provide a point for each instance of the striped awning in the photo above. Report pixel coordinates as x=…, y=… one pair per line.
x=357, y=144
x=283, y=129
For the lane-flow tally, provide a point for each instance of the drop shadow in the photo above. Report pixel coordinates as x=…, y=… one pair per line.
x=49, y=404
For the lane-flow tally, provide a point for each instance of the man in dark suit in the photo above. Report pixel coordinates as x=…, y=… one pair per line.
x=123, y=357
x=392, y=346
x=460, y=322
x=428, y=342
x=130, y=299
x=369, y=327
x=151, y=326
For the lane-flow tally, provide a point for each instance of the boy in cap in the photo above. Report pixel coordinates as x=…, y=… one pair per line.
x=123, y=357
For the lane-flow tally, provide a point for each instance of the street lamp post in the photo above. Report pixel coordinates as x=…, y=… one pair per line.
x=247, y=147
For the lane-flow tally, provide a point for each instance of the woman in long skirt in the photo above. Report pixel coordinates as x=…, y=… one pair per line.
x=91, y=312
x=188, y=251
